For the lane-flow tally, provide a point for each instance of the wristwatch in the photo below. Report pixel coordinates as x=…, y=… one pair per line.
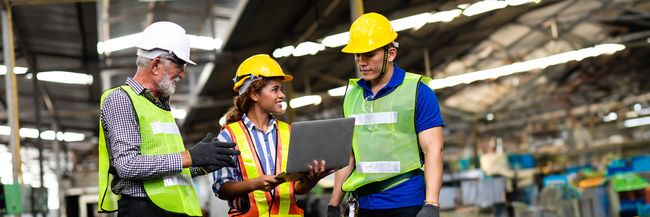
x=433, y=203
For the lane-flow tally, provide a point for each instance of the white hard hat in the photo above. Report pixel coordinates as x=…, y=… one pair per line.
x=167, y=36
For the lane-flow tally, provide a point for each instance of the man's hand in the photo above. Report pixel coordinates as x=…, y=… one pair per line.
x=209, y=152
x=333, y=211
x=429, y=210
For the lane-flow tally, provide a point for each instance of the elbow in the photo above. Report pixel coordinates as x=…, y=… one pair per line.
x=126, y=171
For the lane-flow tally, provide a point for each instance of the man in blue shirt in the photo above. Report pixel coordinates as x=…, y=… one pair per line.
x=387, y=185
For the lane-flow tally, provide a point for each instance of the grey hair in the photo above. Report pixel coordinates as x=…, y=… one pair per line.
x=143, y=61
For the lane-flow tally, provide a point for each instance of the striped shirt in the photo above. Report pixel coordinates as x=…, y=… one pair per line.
x=265, y=146
x=122, y=134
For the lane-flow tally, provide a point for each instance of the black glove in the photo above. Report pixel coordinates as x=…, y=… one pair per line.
x=429, y=210
x=209, y=152
x=209, y=168
x=333, y=211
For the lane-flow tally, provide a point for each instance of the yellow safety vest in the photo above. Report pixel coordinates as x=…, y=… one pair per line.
x=160, y=135
x=385, y=142
x=283, y=203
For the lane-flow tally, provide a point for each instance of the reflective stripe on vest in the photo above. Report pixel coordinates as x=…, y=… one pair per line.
x=160, y=135
x=283, y=202
x=385, y=141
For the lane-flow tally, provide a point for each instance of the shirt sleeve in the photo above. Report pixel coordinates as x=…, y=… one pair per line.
x=427, y=110
x=225, y=174
x=123, y=142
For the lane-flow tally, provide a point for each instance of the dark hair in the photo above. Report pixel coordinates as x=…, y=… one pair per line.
x=242, y=103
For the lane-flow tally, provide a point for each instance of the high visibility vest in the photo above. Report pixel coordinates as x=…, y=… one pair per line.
x=283, y=201
x=160, y=135
x=385, y=142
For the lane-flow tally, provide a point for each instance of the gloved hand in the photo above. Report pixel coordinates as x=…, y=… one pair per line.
x=210, y=168
x=209, y=152
x=333, y=211
x=429, y=210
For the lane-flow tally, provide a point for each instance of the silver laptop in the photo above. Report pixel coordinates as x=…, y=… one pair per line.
x=329, y=140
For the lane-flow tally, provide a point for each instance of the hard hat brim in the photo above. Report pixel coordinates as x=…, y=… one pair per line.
x=239, y=83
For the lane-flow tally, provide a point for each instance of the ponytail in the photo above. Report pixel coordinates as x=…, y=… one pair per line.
x=242, y=103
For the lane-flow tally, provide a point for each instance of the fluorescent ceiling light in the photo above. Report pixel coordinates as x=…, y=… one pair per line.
x=47, y=135
x=128, y=41
x=484, y=6
x=413, y=22
x=525, y=66
x=336, y=40
x=29, y=133
x=5, y=130
x=307, y=47
x=283, y=52
x=66, y=77
x=17, y=70
x=205, y=43
x=284, y=106
x=119, y=43
x=612, y=116
x=521, y=2
x=636, y=122
x=305, y=100
x=339, y=91
x=73, y=137
x=445, y=16
x=179, y=113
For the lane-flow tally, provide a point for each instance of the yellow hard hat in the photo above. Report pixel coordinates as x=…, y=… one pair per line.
x=369, y=32
x=260, y=65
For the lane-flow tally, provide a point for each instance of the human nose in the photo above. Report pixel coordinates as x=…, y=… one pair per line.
x=181, y=73
x=360, y=60
x=281, y=96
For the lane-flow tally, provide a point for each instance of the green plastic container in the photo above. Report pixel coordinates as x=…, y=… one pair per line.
x=628, y=182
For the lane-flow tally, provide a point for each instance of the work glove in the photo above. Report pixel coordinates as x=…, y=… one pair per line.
x=210, y=152
x=204, y=170
x=429, y=210
x=333, y=211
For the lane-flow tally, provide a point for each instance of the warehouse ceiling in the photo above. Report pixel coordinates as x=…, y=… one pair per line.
x=64, y=37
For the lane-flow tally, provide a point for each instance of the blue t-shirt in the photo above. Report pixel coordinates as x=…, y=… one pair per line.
x=427, y=115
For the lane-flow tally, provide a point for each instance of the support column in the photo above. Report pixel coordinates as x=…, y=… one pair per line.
x=356, y=10
x=11, y=92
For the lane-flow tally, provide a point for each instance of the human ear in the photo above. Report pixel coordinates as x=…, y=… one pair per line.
x=392, y=53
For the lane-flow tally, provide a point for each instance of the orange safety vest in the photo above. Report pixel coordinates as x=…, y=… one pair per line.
x=283, y=202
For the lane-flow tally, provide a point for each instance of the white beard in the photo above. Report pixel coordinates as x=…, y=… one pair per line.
x=167, y=86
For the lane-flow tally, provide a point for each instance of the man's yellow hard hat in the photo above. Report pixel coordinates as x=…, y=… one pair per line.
x=369, y=32
x=260, y=65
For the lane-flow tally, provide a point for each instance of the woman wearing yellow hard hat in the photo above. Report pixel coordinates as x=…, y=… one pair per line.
x=396, y=166
x=252, y=187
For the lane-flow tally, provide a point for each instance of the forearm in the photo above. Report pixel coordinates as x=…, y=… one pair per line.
x=431, y=144
x=339, y=177
x=232, y=189
x=145, y=167
x=433, y=175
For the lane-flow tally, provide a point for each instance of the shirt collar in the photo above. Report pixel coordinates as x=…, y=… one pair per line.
x=141, y=90
x=251, y=126
x=395, y=80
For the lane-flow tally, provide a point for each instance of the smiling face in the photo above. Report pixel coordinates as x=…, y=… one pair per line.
x=269, y=99
x=370, y=63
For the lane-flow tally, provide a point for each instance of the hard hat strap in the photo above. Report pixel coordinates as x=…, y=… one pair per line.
x=383, y=65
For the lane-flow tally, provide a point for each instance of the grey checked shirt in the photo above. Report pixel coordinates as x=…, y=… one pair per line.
x=122, y=134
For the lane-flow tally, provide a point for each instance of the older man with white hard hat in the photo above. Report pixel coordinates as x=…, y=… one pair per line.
x=142, y=160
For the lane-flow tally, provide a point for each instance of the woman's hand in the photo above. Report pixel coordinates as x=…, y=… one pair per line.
x=317, y=172
x=266, y=183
